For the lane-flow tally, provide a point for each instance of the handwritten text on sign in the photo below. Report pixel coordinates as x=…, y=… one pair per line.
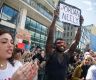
x=69, y=14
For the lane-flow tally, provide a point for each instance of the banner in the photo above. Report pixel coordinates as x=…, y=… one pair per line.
x=69, y=14
x=23, y=34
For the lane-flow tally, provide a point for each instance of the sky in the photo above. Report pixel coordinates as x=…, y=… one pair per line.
x=88, y=10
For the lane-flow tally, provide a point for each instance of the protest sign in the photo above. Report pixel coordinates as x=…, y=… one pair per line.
x=69, y=14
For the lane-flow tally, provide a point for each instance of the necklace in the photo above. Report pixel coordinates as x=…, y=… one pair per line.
x=1, y=65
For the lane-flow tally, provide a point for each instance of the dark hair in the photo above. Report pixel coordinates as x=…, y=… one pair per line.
x=38, y=47
x=77, y=50
x=42, y=50
x=17, y=50
x=11, y=60
x=88, y=50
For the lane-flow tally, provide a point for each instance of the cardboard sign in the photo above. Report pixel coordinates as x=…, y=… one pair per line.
x=69, y=14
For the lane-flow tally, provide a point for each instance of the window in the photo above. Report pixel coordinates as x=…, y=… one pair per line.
x=27, y=23
x=71, y=33
x=43, y=39
x=70, y=40
x=64, y=28
x=64, y=34
x=33, y=3
x=67, y=33
x=37, y=30
x=60, y=34
x=56, y=34
x=68, y=28
x=37, y=35
x=33, y=24
x=71, y=27
x=38, y=27
x=32, y=33
x=9, y=14
x=44, y=29
x=30, y=24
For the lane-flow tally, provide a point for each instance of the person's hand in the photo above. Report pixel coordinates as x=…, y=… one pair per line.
x=34, y=70
x=81, y=20
x=42, y=65
x=56, y=13
x=26, y=72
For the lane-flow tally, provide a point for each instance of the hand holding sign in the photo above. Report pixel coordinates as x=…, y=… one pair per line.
x=56, y=13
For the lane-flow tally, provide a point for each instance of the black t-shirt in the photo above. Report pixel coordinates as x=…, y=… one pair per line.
x=56, y=70
x=39, y=57
x=84, y=70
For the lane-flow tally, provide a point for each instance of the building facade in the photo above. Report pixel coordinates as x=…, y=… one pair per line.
x=93, y=42
x=69, y=33
x=30, y=16
x=85, y=38
x=92, y=29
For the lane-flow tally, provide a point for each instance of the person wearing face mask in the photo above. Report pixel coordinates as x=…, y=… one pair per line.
x=57, y=60
x=10, y=68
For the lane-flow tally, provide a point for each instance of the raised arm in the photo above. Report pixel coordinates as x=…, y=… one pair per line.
x=51, y=34
x=77, y=38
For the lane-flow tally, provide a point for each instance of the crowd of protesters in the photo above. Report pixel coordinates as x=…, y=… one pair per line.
x=55, y=62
